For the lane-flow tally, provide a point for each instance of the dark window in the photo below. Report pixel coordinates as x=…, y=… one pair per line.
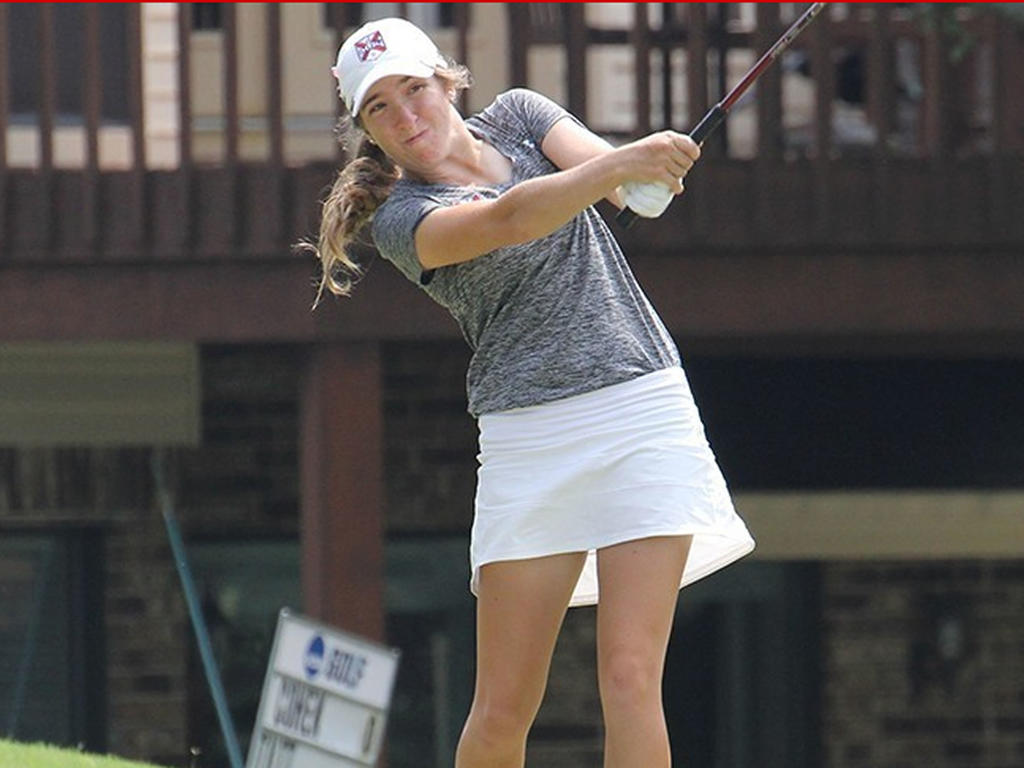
x=206, y=16
x=243, y=585
x=331, y=12
x=447, y=15
x=51, y=655
x=356, y=14
x=888, y=423
x=25, y=63
x=741, y=674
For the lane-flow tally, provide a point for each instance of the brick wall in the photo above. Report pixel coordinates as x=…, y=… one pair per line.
x=146, y=625
x=244, y=476
x=430, y=442
x=44, y=489
x=242, y=481
x=891, y=698
x=923, y=665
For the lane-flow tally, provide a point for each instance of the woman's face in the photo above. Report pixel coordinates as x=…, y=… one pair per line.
x=410, y=119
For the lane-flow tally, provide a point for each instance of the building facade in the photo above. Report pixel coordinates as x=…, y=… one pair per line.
x=844, y=279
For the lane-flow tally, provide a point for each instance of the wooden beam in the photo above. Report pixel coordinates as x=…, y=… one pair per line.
x=746, y=297
x=91, y=101
x=461, y=14
x=184, y=204
x=137, y=208
x=185, y=85
x=3, y=126
x=574, y=25
x=769, y=85
x=47, y=121
x=823, y=71
x=47, y=85
x=641, y=40
x=876, y=525
x=342, y=495
x=696, y=62
x=519, y=42
x=233, y=213
x=275, y=73
x=230, y=64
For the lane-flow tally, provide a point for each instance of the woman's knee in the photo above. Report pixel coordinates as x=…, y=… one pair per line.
x=629, y=678
x=499, y=722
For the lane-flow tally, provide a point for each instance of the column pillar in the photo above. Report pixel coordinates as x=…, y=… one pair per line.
x=342, y=494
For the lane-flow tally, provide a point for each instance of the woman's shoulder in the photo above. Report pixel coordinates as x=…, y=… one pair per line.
x=519, y=112
x=409, y=201
x=406, y=196
x=520, y=99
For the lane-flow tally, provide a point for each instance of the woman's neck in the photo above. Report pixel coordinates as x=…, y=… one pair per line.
x=472, y=161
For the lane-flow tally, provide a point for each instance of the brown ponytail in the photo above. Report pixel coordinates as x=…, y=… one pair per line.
x=360, y=188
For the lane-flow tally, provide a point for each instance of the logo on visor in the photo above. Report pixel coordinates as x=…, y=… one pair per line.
x=371, y=47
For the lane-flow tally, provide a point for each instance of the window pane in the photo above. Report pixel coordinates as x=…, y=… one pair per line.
x=206, y=16
x=69, y=21
x=243, y=585
x=740, y=680
x=114, y=61
x=23, y=56
x=35, y=681
x=24, y=61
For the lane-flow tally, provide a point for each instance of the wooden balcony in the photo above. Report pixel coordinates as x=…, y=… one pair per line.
x=911, y=234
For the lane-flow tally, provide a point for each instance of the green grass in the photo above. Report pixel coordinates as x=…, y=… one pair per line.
x=13, y=755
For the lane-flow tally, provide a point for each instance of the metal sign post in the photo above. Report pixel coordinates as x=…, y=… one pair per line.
x=325, y=698
x=220, y=700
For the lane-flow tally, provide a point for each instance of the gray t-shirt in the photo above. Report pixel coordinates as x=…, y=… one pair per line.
x=555, y=317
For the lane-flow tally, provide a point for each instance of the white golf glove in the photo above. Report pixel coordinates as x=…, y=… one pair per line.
x=646, y=199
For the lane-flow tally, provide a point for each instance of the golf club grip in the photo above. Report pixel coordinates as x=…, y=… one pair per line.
x=627, y=218
x=707, y=124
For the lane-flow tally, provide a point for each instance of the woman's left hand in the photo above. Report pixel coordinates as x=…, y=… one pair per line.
x=646, y=199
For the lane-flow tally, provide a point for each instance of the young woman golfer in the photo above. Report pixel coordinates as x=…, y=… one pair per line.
x=596, y=483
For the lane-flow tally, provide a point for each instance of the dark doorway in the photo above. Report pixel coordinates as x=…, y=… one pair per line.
x=741, y=677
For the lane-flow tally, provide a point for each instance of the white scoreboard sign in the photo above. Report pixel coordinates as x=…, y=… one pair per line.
x=325, y=698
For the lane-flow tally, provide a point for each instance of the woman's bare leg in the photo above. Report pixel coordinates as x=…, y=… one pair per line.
x=520, y=608
x=639, y=585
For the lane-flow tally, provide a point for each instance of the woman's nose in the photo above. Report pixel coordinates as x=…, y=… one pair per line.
x=404, y=116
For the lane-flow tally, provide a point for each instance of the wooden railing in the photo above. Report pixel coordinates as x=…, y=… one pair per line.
x=928, y=91
x=961, y=63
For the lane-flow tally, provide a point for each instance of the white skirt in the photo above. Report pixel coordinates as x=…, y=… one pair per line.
x=625, y=462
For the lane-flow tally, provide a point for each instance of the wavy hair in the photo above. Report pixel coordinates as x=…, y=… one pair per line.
x=359, y=189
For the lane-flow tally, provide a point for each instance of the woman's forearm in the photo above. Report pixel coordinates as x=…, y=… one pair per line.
x=539, y=206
